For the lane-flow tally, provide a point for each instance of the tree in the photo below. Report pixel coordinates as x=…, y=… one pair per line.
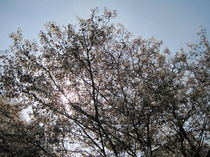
x=97, y=90
x=18, y=137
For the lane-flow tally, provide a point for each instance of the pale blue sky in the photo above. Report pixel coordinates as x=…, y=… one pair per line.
x=176, y=22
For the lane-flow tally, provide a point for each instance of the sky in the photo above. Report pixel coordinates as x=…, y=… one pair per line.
x=175, y=22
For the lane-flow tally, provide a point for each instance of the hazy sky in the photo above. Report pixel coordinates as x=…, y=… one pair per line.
x=176, y=22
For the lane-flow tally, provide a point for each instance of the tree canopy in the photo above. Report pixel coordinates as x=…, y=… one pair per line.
x=96, y=90
x=19, y=138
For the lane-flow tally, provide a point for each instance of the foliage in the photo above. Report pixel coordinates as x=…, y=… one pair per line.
x=17, y=137
x=97, y=90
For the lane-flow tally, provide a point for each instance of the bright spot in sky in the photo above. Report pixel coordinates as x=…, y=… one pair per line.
x=64, y=99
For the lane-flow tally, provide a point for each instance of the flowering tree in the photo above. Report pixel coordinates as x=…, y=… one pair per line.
x=18, y=137
x=97, y=90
